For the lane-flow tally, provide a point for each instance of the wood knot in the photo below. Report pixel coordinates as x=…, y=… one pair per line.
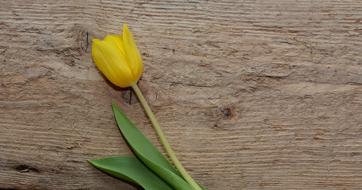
x=227, y=112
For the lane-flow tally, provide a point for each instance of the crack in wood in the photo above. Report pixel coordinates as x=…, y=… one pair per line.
x=23, y=168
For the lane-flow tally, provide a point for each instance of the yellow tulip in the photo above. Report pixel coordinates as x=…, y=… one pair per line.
x=118, y=58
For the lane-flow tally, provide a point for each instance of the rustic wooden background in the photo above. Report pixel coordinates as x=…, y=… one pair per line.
x=259, y=95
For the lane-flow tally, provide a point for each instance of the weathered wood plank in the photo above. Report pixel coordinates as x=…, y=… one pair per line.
x=252, y=94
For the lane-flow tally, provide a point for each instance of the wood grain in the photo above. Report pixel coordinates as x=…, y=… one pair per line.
x=251, y=94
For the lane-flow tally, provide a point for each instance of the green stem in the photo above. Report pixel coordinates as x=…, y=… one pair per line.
x=163, y=139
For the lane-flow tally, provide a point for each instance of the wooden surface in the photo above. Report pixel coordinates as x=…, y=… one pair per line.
x=251, y=94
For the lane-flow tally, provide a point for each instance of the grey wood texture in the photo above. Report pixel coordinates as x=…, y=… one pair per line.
x=257, y=95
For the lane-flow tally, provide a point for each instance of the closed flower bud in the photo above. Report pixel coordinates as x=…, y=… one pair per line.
x=118, y=58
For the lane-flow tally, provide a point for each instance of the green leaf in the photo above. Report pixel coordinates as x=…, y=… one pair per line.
x=148, y=153
x=132, y=170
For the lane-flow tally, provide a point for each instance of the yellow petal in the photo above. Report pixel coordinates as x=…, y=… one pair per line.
x=116, y=40
x=99, y=60
x=132, y=54
x=111, y=63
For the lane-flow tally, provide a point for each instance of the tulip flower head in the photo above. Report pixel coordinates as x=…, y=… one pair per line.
x=118, y=58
